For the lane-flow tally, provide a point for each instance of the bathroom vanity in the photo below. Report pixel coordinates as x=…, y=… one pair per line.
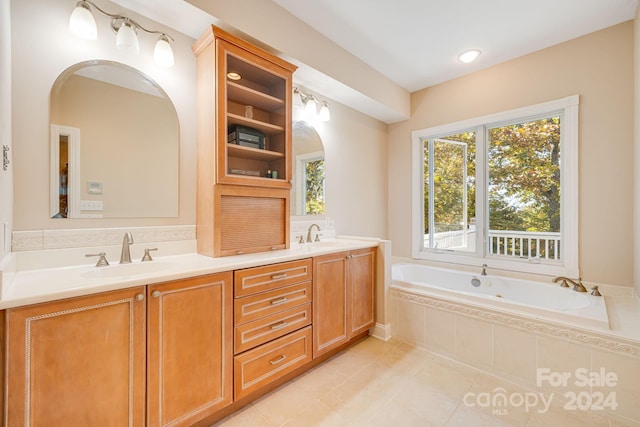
x=185, y=344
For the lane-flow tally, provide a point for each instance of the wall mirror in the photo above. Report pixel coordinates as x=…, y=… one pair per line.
x=308, y=190
x=114, y=144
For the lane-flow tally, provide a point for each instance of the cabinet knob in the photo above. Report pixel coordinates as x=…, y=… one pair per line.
x=155, y=294
x=139, y=297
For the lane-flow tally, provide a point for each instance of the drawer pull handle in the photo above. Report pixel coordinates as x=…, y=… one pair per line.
x=279, y=276
x=279, y=301
x=278, y=325
x=278, y=360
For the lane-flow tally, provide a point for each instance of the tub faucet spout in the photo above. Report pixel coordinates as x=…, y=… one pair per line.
x=577, y=285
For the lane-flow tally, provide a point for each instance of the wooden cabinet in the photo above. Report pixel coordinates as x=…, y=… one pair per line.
x=190, y=349
x=78, y=362
x=250, y=220
x=272, y=333
x=96, y=360
x=343, y=297
x=244, y=99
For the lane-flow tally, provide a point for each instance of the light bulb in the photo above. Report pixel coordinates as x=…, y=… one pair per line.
x=310, y=108
x=162, y=53
x=82, y=23
x=325, y=114
x=469, y=56
x=126, y=38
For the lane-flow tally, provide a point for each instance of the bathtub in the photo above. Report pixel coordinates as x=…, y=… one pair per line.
x=539, y=300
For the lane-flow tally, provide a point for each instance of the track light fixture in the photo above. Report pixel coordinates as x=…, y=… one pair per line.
x=83, y=24
x=308, y=107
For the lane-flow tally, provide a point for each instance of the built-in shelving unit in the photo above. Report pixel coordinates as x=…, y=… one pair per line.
x=244, y=146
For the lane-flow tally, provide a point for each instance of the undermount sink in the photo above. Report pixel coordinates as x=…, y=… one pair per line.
x=123, y=270
x=319, y=245
x=324, y=244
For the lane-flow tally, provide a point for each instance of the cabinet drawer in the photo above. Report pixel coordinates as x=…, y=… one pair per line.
x=270, y=361
x=260, y=279
x=264, y=304
x=262, y=330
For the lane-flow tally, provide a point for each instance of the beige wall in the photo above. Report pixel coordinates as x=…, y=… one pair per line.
x=6, y=177
x=599, y=68
x=355, y=148
x=636, y=121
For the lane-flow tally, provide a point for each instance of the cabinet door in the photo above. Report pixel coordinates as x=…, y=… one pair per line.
x=329, y=302
x=362, y=281
x=254, y=115
x=250, y=220
x=78, y=362
x=190, y=349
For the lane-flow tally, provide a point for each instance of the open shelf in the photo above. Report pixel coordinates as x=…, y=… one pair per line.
x=235, y=150
x=249, y=96
x=266, y=128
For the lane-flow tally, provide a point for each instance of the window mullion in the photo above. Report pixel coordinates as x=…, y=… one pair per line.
x=432, y=223
x=482, y=207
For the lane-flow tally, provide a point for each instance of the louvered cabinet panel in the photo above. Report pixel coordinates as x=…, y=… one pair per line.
x=250, y=220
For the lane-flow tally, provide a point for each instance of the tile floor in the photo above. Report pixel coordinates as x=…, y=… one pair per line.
x=377, y=383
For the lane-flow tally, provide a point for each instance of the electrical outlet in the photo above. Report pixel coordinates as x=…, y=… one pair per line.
x=90, y=205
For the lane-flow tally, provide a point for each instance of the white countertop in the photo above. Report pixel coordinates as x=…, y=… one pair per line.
x=31, y=286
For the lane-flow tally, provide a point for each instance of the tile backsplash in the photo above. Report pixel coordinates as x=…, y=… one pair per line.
x=34, y=240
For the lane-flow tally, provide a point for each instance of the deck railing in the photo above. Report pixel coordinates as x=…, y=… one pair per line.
x=525, y=244
x=521, y=244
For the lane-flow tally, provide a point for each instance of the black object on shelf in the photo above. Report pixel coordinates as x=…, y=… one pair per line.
x=246, y=136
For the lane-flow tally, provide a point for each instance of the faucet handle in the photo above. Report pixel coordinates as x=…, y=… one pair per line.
x=102, y=261
x=595, y=291
x=301, y=239
x=147, y=255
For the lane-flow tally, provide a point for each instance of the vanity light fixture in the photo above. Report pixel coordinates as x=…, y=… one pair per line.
x=83, y=24
x=310, y=107
x=469, y=56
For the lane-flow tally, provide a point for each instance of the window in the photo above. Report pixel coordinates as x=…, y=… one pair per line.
x=500, y=189
x=310, y=178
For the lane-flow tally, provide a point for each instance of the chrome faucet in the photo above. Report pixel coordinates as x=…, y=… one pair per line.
x=577, y=286
x=125, y=255
x=309, y=233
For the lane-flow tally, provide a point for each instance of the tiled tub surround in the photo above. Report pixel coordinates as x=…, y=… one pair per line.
x=542, y=300
x=526, y=350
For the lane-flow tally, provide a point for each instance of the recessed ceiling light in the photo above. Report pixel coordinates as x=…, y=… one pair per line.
x=468, y=56
x=234, y=76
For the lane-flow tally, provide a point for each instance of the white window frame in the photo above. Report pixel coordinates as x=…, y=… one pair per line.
x=569, y=184
x=301, y=177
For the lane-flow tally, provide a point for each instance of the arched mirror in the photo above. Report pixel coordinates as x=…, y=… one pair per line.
x=308, y=191
x=114, y=144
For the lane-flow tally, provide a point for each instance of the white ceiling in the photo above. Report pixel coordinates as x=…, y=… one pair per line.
x=415, y=42
x=412, y=44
